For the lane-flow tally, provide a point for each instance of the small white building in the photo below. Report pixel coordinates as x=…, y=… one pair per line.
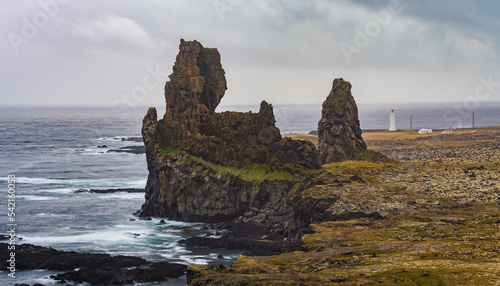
x=424, y=131
x=448, y=131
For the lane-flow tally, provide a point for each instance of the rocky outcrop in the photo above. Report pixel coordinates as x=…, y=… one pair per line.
x=217, y=167
x=93, y=268
x=196, y=87
x=339, y=131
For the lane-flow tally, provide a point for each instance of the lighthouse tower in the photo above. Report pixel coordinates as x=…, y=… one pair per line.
x=392, y=127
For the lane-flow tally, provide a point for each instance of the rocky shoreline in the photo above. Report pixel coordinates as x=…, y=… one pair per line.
x=96, y=269
x=424, y=211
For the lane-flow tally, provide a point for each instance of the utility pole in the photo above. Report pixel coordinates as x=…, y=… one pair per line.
x=472, y=120
x=411, y=122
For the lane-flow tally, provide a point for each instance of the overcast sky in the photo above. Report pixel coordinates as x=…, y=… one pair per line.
x=119, y=53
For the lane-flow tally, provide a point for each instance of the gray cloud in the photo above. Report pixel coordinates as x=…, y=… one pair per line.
x=93, y=52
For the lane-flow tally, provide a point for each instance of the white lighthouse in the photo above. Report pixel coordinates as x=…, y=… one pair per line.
x=392, y=126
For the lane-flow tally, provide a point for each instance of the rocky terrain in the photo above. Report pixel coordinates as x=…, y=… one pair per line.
x=427, y=214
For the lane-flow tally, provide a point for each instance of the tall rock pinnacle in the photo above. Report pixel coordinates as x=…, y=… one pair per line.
x=197, y=78
x=339, y=132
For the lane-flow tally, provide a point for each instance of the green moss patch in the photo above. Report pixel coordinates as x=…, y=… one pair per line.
x=248, y=172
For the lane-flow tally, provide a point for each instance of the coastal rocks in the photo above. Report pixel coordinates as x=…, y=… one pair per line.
x=339, y=131
x=154, y=272
x=95, y=268
x=129, y=149
x=219, y=167
x=108, y=191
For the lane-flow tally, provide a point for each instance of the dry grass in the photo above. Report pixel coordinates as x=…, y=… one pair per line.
x=406, y=134
x=409, y=135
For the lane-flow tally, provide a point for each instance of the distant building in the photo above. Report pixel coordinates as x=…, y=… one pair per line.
x=448, y=131
x=424, y=131
x=392, y=126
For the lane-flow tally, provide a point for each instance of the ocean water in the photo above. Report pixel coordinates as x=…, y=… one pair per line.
x=53, y=152
x=304, y=118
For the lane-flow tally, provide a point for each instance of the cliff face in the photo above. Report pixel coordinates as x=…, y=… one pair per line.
x=339, y=132
x=214, y=167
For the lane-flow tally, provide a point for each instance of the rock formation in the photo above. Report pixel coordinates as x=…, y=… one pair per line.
x=215, y=167
x=235, y=167
x=196, y=87
x=339, y=132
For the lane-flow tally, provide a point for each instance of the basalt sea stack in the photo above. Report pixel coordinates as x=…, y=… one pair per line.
x=339, y=132
x=209, y=166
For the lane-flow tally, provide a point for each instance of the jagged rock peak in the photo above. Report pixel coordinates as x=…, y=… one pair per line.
x=197, y=78
x=339, y=130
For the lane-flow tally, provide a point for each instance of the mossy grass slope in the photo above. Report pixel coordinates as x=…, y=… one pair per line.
x=248, y=172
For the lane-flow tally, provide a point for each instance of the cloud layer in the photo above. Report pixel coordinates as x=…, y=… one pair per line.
x=96, y=53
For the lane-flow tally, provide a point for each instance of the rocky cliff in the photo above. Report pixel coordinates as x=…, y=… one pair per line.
x=339, y=132
x=235, y=167
x=215, y=167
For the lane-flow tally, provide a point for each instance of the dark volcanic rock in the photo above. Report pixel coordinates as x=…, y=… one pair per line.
x=132, y=139
x=154, y=272
x=339, y=132
x=95, y=268
x=197, y=78
x=36, y=257
x=129, y=149
x=108, y=191
x=256, y=239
